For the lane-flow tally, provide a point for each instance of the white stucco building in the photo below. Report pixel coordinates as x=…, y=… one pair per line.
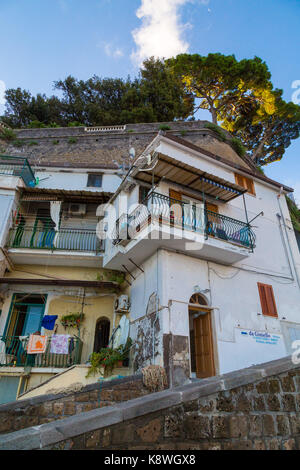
x=204, y=239
x=213, y=257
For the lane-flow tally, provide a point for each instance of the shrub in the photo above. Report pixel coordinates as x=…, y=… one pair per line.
x=238, y=146
x=7, y=134
x=217, y=130
x=164, y=127
x=72, y=140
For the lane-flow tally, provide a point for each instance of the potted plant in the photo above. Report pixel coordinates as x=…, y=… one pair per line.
x=105, y=361
x=73, y=320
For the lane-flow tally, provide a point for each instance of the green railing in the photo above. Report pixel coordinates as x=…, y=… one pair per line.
x=187, y=217
x=49, y=239
x=13, y=353
x=17, y=166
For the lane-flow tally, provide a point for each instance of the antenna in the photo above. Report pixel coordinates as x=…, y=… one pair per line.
x=132, y=153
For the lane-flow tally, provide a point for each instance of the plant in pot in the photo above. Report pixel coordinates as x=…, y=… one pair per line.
x=73, y=320
x=105, y=361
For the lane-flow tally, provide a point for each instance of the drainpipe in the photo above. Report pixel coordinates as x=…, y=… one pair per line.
x=289, y=252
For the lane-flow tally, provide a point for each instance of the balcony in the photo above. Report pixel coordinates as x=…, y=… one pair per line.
x=163, y=222
x=13, y=353
x=81, y=245
x=19, y=167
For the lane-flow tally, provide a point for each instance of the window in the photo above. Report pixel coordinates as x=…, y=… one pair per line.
x=245, y=182
x=143, y=193
x=94, y=180
x=267, y=300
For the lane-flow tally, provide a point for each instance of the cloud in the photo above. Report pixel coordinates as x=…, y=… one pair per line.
x=111, y=50
x=161, y=31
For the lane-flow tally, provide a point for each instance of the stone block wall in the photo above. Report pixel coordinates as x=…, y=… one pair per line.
x=260, y=416
x=256, y=408
x=47, y=408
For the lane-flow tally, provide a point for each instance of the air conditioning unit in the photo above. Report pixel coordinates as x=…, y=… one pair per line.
x=122, y=304
x=77, y=209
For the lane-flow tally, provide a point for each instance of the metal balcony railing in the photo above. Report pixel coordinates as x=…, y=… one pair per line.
x=49, y=239
x=13, y=353
x=187, y=217
x=17, y=166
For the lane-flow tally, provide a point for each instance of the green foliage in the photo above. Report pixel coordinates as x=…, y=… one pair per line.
x=238, y=146
x=17, y=143
x=32, y=142
x=295, y=213
x=217, y=130
x=268, y=133
x=112, y=276
x=7, y=134
x=72, y=140
x=260, y=169
x=155, y=96
x=55, y=142
x=75, y=124
x=105, y=361
x=220, y=83
x=117, y=277
x=73, y=320
x=164, y=127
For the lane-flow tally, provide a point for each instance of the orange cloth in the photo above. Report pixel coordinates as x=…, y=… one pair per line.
x=37, y=344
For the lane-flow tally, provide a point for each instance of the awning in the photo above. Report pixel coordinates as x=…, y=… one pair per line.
x=191, y=178
x=45, y=194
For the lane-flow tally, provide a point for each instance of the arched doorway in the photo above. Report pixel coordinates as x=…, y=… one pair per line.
x=201, y=337
x=101, y=334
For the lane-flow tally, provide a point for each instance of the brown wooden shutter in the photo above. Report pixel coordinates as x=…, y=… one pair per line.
x=175, y=195
x=245, y=182
x=212, y=208
x=267, y=300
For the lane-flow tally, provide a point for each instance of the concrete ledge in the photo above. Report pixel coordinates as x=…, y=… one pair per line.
x=39, y=437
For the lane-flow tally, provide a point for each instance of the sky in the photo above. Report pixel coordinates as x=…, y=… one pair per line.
x=46, y=40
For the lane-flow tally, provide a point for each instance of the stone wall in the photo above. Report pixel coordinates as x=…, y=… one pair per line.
x=46, y=408
x=74, y=147
x=255, y=408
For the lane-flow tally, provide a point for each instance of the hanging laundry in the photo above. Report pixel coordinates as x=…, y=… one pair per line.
x=37, y=344
x=48, y=321
x=60, y=344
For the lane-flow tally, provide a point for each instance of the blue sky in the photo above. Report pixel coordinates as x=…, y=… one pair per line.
x=46, y=40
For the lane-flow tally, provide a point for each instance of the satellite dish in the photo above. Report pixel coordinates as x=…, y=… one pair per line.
x=122, y=332
x=132, y=152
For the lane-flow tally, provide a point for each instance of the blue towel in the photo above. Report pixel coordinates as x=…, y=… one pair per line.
x=48, y=321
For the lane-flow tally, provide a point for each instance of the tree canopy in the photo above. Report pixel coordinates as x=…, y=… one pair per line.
x=238, y=94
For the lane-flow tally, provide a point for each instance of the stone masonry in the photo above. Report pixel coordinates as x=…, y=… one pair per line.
x=46, y=408
x=256, y=408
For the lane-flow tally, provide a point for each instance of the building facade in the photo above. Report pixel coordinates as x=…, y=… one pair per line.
x=198, y=239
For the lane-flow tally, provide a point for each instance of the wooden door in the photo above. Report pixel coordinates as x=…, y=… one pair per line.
x=176, y=207
x=204, y=352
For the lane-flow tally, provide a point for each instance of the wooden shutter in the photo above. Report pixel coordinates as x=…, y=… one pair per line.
x=267, y=300
x=175, y=195
x=245, y=182
x=176, y=212
x=212, y=208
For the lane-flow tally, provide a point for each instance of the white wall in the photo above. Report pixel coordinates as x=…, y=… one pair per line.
x=75, y=180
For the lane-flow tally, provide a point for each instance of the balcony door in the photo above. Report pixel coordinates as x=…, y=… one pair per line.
x=201, y=338
x=25, y=318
